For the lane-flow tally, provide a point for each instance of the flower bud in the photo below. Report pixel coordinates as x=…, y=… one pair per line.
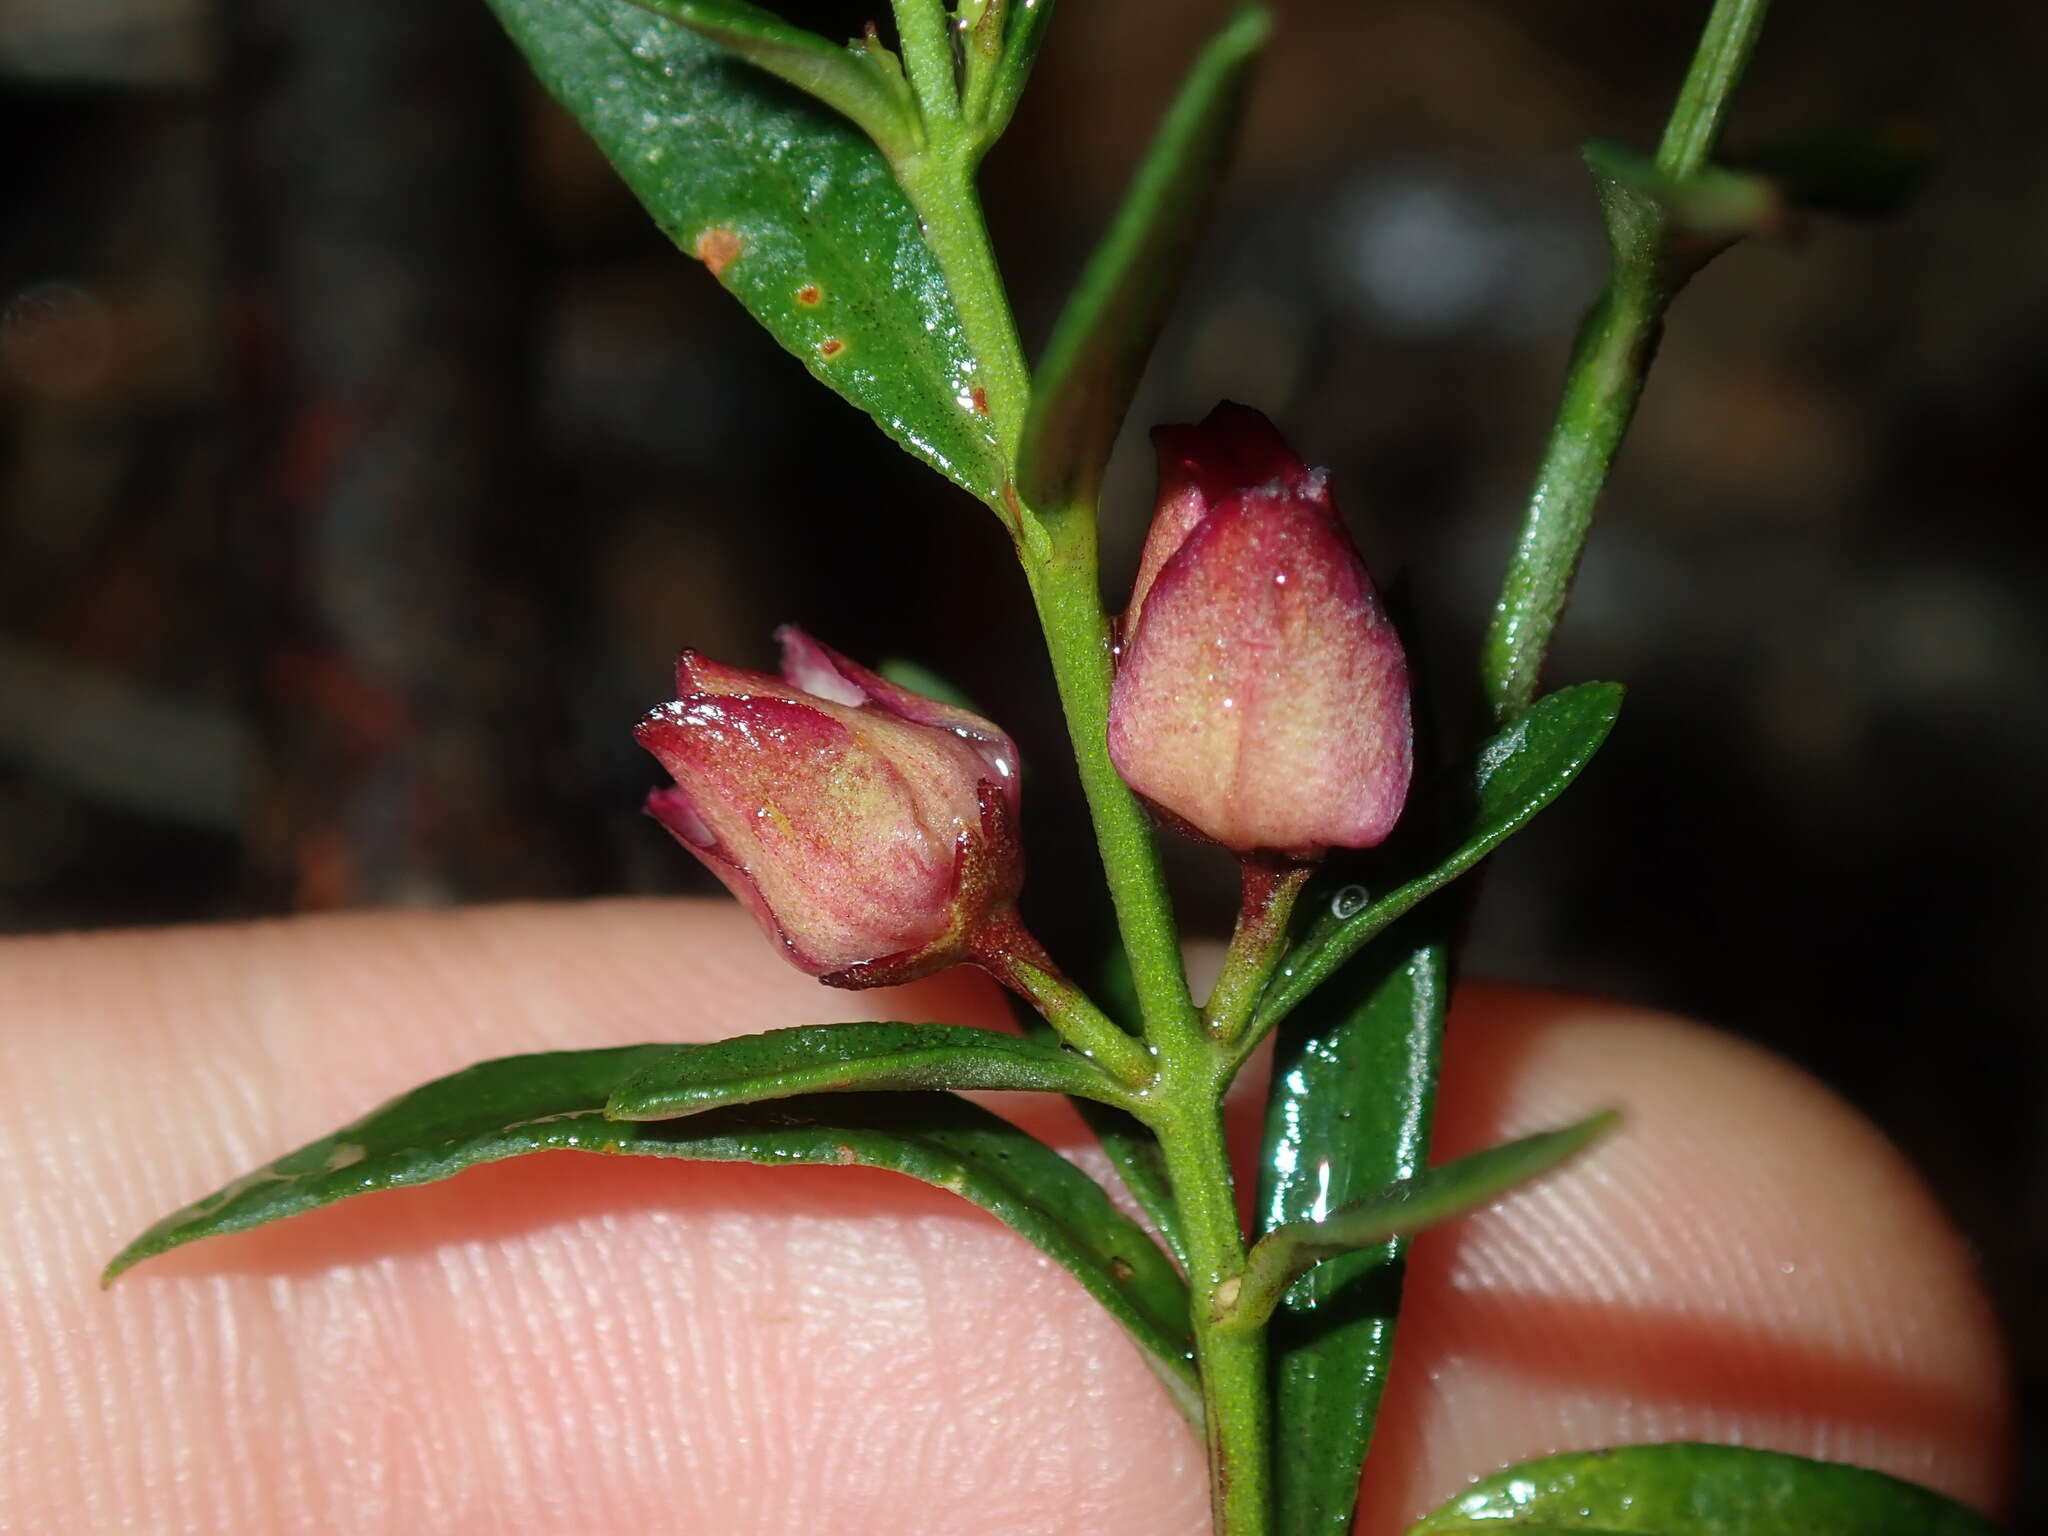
x=868, y=828
x=1261, y=695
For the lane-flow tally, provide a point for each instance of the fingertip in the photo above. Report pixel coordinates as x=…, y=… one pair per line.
x=1745, y=1259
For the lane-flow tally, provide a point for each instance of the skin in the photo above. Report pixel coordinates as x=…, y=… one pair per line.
x=734, y=1350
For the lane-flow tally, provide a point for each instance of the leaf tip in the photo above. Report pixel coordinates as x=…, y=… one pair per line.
x=1250, y=26
x=1594, y=1127
x=121, y=1263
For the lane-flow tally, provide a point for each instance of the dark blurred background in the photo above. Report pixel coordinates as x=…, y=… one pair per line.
x=367, y=454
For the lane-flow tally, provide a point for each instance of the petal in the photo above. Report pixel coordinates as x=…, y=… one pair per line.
x=826, y=833
x=697, y=674
x=671, y=807
x=805, y=658
x=817, y=669
x=1233, y=450
x=1263, y=699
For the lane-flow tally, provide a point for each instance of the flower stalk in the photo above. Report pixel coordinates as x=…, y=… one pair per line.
x=1256, y=945
x=1007, y=951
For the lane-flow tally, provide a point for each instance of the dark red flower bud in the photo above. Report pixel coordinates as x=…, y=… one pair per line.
x=868, y=828
x=1261, y=694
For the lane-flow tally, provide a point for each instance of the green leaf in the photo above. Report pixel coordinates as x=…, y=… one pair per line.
x=1662, y=229
x=787, y=203
x=1129, y=1144
x=1699, y=1490
x=1023, y=27
x=1099, y=347
x=863, y=83
x=1520, y=771
x=1714, y=202
x=1867, y=175
x=919, y=678
x=554, y=1102
x=1134, y=1150
x=1401, y=1208
x=843, y=1058
x=1354, y=1084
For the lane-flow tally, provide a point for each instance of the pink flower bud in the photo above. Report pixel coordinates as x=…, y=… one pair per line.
x=867, y=827
x=1261, y=695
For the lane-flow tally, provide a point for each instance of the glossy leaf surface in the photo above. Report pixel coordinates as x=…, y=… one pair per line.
x=787, y=203
x=1348, y=1112
x=861, y=85
x=1698, y=1490
x=1099, y=347
x=553, y=1101
x=839, y=1058
x=1404, y=1208
x=1520, y=771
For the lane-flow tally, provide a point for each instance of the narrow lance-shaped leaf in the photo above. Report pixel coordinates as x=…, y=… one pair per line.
x=1134, y=1151
x=1099, y=347
x=554, y=1102
x=1400, y=1209
x=1023, y=30
x=1521, y=771
x=841, y=1058
x=788, y=204
x=1857, y=175
x=864, y=85
x=1698, y=1490
x=1131, y=1147
x=1349, y=1110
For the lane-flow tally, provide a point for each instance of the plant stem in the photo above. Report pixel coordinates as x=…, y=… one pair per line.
x=1256, y=944
x=1007, y=951
x=1616, y=344
x=1236, y=1400
x=1057, y=548
x=1059, y=558
x=922, y=29
x=939, y=182
x=1068, y=594
x=1717, y=67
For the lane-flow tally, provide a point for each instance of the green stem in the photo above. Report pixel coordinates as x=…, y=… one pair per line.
x=923, y=30
x=1068, y=593
x=1057, y=547
x=1007, y=951
x=939, y=182
x=1615, y=348
x=1256, y=944
x=1236, y=1396
x=1717, y=67
x=1059, y=558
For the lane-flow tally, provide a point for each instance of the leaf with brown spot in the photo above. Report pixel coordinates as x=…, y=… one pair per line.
x=718, y=249
x=778, y=196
